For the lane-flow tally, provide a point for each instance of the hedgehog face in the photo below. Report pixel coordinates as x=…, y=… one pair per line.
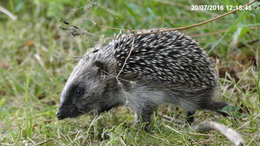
x=88, y=90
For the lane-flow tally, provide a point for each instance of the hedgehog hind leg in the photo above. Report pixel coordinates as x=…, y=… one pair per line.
x=190, y=108
x=204, y=100
x=215, y=106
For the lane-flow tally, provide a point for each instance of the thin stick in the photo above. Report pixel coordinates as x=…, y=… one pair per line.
x=197, y=24
x=231, y=134
x=195, y=35
x=132, y=47
x=8, y=13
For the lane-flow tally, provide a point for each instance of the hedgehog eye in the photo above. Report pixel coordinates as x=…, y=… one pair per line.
x=79, y=91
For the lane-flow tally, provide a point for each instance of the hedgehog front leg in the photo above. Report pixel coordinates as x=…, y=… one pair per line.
x=143, y=114
x=190, y=117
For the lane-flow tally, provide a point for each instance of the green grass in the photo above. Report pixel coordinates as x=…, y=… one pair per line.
x=36, y=58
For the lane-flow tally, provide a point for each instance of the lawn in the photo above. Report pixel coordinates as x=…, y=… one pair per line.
x=37, y=56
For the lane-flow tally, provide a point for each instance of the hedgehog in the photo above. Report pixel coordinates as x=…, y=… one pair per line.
x=142, y=71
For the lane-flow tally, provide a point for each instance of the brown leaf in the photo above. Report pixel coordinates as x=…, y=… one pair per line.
x=2, y=93
x=252, y=59
x=19, y=60
x=51, y=102
x=30, y=43
x=56, y=36
x=245, y=59
x=223, y=70
x=4, y=65
x=41, y=96
x=240, y=57
x=213, y=55
x=47, y=121
x=35, y=126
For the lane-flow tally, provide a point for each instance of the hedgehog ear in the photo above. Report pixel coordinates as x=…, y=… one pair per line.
x=102, y=67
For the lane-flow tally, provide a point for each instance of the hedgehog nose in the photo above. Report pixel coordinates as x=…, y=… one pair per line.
x=60, y=117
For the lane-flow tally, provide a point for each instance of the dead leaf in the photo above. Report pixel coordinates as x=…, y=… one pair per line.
x=19, y=60
x=2, y=93
x=51, y=102
x=4, y=65
x=47, y=121
x=223, y=70
x=240, y=56
x=30, y=43
x=245, y=59
x=213, y=55
x=41, y=96
x=56, y=36
x=35, y=126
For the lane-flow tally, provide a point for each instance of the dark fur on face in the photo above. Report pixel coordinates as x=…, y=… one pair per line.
x=88, y=90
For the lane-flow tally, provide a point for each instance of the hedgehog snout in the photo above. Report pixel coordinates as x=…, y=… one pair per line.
x=60, y=117
x=60, y=114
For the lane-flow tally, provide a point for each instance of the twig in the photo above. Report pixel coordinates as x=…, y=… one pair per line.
x=231, y=134
x=132, y=47
x=194, y=35
x=8, y=13
x=120, y=84
x=194, y=25
x=75, y=31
